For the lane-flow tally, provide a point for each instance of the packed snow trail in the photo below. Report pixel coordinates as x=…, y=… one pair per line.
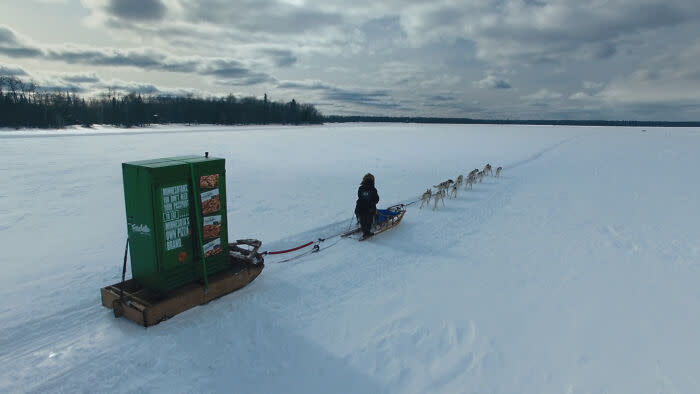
x=335, y=229
x=576, y=271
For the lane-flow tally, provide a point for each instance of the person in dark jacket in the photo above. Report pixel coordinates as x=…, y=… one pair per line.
x=366, y=206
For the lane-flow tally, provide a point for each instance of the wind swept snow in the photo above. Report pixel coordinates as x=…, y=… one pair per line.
x=576, y=271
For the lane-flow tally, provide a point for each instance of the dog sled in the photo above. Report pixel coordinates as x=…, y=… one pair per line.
x=384, y=220
x=146, y=307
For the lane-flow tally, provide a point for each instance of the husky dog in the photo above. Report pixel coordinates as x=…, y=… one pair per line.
x=425, y=198
x=456, y=186
x=439, y=195
x=480, y=176
x=444, y=185
x=453, y=190
x=470, y=181
x=498, y=171
x=472, y=177
x=460, y=180
x=487, y=169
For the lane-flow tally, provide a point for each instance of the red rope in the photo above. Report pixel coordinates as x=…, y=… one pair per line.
x=291, y=250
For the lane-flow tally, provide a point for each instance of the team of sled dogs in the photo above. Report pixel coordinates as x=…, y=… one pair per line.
x=449, y=187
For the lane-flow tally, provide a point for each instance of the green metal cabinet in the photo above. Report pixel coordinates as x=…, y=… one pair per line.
x=176, y=214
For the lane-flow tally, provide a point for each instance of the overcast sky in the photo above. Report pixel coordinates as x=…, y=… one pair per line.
x=526, y=59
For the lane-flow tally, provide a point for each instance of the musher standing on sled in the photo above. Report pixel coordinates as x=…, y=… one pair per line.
x=366, y=206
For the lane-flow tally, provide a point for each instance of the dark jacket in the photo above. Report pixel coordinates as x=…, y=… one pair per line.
x=367, y=199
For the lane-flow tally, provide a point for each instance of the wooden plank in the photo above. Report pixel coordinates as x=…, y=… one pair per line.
x=132, y=311
x=147, y=309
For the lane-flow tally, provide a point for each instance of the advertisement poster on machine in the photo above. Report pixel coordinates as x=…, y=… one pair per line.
x=176, y=215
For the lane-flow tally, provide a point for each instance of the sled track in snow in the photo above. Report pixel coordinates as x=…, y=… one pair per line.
x=493, y=200
x=540, y=153
x=39, y=340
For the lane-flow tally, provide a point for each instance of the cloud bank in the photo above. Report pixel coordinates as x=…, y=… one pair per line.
x=516, y=57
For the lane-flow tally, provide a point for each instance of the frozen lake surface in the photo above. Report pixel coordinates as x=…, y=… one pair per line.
x=576, y=271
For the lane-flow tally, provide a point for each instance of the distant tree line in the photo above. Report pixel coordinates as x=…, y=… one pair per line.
x=24, y=104
x=398, y=119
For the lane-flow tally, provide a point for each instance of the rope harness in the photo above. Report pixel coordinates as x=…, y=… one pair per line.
x=288, y=250
x=317, y=244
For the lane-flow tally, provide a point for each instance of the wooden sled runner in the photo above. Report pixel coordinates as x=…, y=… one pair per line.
x=148, y=308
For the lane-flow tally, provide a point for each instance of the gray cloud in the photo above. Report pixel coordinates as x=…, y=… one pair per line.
x=233, y=71
x=269, y=16
x=590, y=85
x=11, y=46
x=11, y=71
x=56, y=82
x=91, y=83
x=138, y=10
x=81, y=78
x=678, y=64
x=441, y=98
x=226, y=69
x=513, y=31
x=69, y=82
x=62, y=87
x=7, y=36
x=102, y=57
x=20, y=52
x=646, y=74
x=376, y=98
x=604, y=50
x=668, y=81
x=249, y=80
x=280, y=57
x=503, y=31
x=542, y=95
x=129, y=87
x=661, y=110
x=411, y=52
x=357, y=97
x=581, y=96
x=492, y=82
x=305, y=85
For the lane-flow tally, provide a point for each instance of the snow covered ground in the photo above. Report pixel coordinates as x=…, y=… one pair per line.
x=577, y=271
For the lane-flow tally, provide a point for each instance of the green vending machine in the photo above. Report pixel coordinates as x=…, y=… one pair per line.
x=176, y=220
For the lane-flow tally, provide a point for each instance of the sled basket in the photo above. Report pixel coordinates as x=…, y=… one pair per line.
x=388, y=218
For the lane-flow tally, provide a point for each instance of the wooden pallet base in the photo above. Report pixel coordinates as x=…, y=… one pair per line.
x=148, y=308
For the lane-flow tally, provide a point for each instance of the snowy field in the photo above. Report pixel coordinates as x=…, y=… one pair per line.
x=576, y=271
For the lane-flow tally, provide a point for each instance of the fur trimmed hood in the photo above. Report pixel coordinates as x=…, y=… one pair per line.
x=368, y=179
